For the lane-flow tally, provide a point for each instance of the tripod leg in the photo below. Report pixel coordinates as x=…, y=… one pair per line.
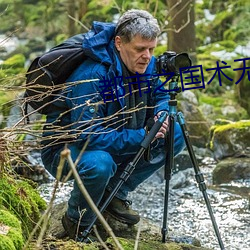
x=168, y=173
x=199, y=176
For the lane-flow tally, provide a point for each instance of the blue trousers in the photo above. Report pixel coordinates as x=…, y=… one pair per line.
x=100, y=170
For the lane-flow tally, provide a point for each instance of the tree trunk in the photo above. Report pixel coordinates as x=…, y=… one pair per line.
x=72, y=13
x=83, y=7
x=181, y=34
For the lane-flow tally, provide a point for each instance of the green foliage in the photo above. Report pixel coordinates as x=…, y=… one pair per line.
x=227, y=23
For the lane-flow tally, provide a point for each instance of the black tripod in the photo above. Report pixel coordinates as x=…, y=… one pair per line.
x=173, y=89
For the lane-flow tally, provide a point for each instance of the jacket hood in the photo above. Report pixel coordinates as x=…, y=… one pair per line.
x=98, y=43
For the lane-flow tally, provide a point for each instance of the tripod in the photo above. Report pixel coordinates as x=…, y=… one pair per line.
x=173, y=89
x=169, y=163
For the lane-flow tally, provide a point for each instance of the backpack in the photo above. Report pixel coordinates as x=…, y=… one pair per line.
x=47, y=74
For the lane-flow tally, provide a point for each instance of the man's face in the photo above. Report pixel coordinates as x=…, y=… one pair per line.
x=137, y=53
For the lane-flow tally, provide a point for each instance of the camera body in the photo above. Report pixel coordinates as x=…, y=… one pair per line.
x=169, y=61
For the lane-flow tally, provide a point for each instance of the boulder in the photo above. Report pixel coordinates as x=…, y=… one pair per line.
x=231, y=169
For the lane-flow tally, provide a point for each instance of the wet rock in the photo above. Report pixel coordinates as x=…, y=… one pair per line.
x=231, y=169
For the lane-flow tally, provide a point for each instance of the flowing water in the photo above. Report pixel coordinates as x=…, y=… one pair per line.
x=187, y=212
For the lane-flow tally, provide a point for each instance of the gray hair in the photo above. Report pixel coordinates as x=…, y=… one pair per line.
x=137, y=22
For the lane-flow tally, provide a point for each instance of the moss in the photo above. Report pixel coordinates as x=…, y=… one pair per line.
x=22, y=200
x=16, y=237
x=16, y=61
x=13, y=239
x=9, y=219
x=6, y=243
x=236, y=125
x=128, y=244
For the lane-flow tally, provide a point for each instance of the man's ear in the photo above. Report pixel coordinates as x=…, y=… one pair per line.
x=118, y=42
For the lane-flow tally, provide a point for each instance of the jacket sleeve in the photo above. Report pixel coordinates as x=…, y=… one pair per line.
x=88, y=118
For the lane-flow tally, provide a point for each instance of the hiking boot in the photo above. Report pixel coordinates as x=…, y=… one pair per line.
x=121, y=211
x=75, y=231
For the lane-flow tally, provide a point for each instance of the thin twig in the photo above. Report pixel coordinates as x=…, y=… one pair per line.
x=99, y=238
x=77, y=21
x=137, y=236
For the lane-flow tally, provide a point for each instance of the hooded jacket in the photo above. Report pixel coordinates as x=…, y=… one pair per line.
x=83, y=115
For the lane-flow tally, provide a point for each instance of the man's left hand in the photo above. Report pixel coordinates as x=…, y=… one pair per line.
x=163, y=129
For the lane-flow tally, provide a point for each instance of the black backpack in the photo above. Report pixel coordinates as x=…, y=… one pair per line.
x=47, y=74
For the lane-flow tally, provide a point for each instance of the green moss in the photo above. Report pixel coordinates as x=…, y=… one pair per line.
x=21, y=199
x=12, y=71
x=16, y=237
x=6, y=243
x=16, y=61
x=13, y=239
x=235, y=125
x=9, y=219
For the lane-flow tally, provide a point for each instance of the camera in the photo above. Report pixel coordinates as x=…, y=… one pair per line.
x=169, y=61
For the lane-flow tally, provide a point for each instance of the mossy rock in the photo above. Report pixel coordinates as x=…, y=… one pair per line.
x=232, y=139
x=11, y=237
x=21, y=199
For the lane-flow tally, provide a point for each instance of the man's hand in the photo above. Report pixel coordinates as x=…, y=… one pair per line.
x=164, y=128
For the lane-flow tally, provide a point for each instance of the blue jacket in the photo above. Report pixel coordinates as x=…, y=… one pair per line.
x=89, y=117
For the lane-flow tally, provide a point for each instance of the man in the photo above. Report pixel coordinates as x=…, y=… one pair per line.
x=109, y=119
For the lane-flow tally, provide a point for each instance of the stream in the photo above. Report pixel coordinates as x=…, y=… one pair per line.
x=187, y=212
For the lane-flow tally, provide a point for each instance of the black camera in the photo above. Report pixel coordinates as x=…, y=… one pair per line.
x=171, y=62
